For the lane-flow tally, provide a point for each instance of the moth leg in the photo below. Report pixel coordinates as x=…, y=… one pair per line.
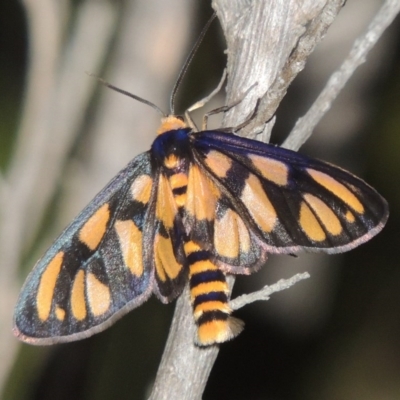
x=202, y=102
x=228, y=107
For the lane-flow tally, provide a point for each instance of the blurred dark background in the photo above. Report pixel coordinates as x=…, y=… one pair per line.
x=334, y=336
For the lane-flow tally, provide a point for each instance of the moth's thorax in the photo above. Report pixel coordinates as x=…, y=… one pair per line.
x=170, y=149
x=171, y=154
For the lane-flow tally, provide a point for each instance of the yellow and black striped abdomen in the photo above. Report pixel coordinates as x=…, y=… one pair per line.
x=209, y=296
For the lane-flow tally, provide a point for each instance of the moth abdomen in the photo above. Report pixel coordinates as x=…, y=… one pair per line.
x=209, y=296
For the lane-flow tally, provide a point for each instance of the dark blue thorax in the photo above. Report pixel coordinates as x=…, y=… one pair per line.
x=171, y=143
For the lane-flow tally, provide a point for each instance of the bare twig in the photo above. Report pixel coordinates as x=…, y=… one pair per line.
x=266, y=291
x=357, y=56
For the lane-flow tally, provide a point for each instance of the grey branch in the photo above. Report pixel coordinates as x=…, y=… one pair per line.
x=266, y=291
x=268, y=43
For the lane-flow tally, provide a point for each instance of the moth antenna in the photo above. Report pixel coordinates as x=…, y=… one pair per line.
x=188, y=61
x=133, y=96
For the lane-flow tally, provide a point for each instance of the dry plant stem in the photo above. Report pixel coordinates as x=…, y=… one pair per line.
x=305, y=125
x=55, y=105
x=266, y=291
x=185, y=352
x=268, y=43
x=184, y=367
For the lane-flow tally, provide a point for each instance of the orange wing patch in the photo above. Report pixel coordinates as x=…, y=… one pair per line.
x=258, y=204
x=218, y=163
x=130, y=241
x=141, y=189
x=166, y=207
x=325, y=214
x=273, y=170
x=93, y=230
x=337, y=188
x=350, y=216
x=231, y=235
x=99, y=296
x=78, y=304
x=44, y=297
x=202, y=195
x=310, y=224
x=166, y=264
x=60, y=313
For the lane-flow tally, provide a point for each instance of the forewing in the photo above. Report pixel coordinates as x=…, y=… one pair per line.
x=291, y=202
x=95, y=271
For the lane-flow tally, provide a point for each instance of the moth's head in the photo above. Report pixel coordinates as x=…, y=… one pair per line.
x=170, y=123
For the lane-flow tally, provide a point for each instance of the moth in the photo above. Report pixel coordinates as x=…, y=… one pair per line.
x=197, y=206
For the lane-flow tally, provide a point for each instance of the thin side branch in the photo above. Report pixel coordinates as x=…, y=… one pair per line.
x=266, y=291
x=357, y=56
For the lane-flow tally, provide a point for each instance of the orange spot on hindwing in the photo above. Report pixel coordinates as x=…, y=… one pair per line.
x=231, y=235
x=166, y=264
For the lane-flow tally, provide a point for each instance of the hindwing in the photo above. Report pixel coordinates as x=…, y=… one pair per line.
x=169, y=260
x=215, y=222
